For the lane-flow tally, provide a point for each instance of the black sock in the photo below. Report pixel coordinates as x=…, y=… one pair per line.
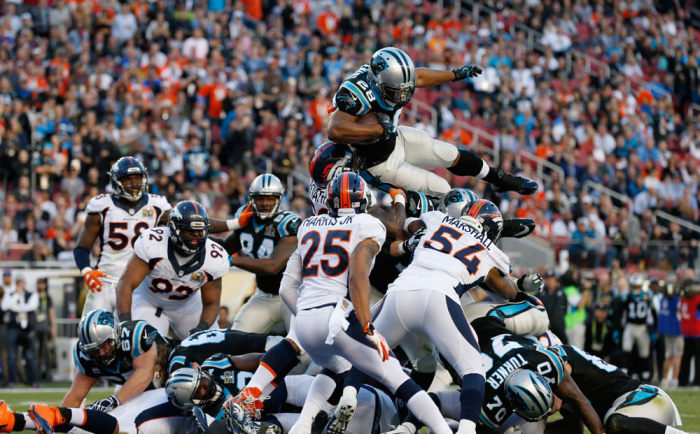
x=20, y=422
x=469, y=164
x=423, y=379
x=618, y=423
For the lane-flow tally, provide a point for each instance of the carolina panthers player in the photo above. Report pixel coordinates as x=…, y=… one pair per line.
x=366, y=112
x=123, y=354
x=162, y=281
x=625, y=405
x=639, y=314
x=264, y=237
x=117, y=220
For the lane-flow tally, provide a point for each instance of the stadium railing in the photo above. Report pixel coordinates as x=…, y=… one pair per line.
x=523, y=156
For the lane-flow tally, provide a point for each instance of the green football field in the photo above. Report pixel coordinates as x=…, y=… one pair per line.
x=687, y=400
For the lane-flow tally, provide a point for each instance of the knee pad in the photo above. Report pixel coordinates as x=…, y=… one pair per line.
x=437, y=184
x=445, y=151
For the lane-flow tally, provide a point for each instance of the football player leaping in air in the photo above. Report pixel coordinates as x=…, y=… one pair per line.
x=397, y=155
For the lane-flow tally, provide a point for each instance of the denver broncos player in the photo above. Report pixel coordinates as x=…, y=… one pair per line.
x=333, y=260
x=366, y=112
x=264, y=237
x=162, y=281
x=117, y=220
x=123, y=354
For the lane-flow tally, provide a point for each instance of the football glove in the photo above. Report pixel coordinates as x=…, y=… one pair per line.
x=92, y=279
x=409, y=245
x=531, y=282
x=106, y=405
x=388, y=127
x=378, y=340
x=466, y=71
x=242, y=220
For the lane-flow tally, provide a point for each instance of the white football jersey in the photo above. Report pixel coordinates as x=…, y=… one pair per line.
x=169, y=284
x=121, y=227
x=322, y=258
x=451, y=257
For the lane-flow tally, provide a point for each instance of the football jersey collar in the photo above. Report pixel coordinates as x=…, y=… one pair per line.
x=130, y=209
x=190, y=266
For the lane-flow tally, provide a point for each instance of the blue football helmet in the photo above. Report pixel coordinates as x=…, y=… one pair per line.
x=328, y=161
x=485, y=217
x=189, y=227
x=454, y=201
x=134, y=189
x=347, y=194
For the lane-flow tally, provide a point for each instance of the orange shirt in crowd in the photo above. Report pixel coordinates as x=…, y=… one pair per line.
x=253, y=8
x=327, y=22
x=216, y=93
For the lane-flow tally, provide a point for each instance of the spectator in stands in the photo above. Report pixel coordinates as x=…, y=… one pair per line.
x=20, y=308
x=224, y=322
x=670, y=332
x=45, y=329
x=555, y=303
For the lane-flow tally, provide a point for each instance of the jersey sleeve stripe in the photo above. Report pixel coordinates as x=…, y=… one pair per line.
x=282, y=226
x=177, y=359
x=223, y=363
x=76, y=360
x=557, y=363
x=136, y=339
x=357, y=92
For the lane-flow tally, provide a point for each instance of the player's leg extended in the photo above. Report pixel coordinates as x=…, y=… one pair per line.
x=258, y=314
x=455, y=339
x=353, y=345
x=47, y=418
x=645, y=410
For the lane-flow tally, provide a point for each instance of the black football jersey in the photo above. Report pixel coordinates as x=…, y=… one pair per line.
x=638, y=308
x=202, y=345
x=502, y=353
x=259, y=238
x=600, y=382
x=135, y=338
x=386, y=267
x=356, y=96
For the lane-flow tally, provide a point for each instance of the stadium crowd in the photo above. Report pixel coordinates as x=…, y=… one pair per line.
x=208, y=94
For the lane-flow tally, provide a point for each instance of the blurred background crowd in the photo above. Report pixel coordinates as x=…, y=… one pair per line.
x=597, y=100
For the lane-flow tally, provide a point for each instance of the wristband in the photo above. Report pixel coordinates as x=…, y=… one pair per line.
x=232, y=224
x=203, y=325
x=85, y=270
x=399, y=198
x=124, y=317
x=401, y=248
x=408, y=221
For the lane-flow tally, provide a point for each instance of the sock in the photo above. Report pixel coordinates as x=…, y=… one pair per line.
x=469, y=164
x=21, y=422
x=422, y=406
x=99, y=422
x=466, y=427
x=76, y=416
x=423, y=379
x=471, y=397
x=672, y=430
x=275, y=364
x=320, y=390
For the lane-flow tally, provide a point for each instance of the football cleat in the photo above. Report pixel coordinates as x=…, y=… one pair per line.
x=7, y=417
x=340, y=419
x=236, y=419
x=249, y=400
x=45, y=417
x=517, y=228
x=519, y=184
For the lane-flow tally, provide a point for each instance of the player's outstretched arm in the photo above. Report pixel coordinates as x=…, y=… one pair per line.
x=501, y=284
x=569, y=392
x=427, y=77
x=78, y=390
x=345, y=128
x=247, y=362
x=211, y=298
x=144, y=367
x=271, y=265
x=358, y=281
x=136, y=271
x=81, y=253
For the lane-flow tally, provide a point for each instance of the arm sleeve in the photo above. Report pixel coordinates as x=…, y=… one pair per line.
x=291, y=279
x=142, y=338
x=350, y=100
x=289, y=226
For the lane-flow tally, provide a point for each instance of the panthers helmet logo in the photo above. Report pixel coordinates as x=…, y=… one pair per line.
x=378, y=64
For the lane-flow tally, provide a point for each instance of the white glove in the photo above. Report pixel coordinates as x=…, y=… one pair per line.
x=531, y=282
x=378, y=340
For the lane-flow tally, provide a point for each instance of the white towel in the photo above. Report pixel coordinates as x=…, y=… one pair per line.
x=338, y=320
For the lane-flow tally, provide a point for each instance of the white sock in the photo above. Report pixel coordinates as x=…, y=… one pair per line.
x=427, y=412
x=466, y=427
x=485, y=169
x=321, y=389
x=262, y=378
x=672, y=430
x=28, y=423
x=77, y=417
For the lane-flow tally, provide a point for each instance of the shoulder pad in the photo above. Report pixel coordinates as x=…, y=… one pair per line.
x=287, y=223
x=348, y=102
x=142, y=337
x=98, y=204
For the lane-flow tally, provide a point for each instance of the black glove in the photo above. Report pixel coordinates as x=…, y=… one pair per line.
x=106, y=405
x=466, y=71
x=410, y=244
x=124, y=317
x=203, y=325
x=388, y=127
x=531, y=282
